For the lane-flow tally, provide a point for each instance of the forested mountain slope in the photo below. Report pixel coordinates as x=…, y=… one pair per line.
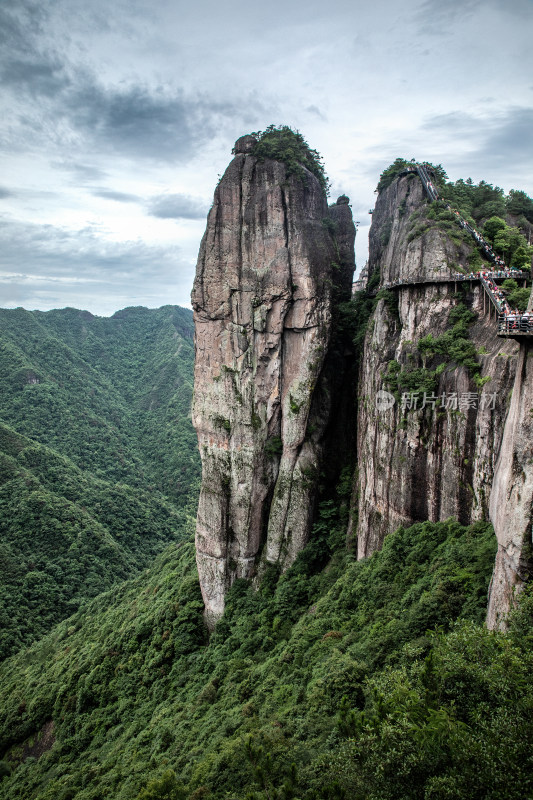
x=330, y=669
x=98, y=456
x=112, y=393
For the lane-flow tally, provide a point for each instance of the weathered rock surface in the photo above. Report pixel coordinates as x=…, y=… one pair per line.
x=511, y=499
x=262, y=301
x=424, y=464
x=399, y=209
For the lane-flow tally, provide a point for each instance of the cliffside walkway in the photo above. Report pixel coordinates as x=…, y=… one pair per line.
x=511, y=324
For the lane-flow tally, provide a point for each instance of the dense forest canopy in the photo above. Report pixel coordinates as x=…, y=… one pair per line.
x=98, y=457
x=376, y=679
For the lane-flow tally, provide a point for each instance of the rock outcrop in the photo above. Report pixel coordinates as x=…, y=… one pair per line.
x=268, y=268
x=511, y=499
x=425, y=463
x=276, y=381
x=395, y=249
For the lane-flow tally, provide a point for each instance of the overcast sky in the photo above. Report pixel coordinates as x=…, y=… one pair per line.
x=118, y=117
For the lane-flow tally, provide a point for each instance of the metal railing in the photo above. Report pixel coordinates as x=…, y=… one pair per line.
x=515, y=324
x=458, y=277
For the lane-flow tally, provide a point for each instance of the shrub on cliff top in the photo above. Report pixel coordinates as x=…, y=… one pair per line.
x=392, y=171
x=283, y=144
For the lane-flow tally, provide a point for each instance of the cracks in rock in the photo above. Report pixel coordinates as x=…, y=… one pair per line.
x=286, y=232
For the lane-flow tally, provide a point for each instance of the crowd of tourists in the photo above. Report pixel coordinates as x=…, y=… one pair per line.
x=515, y=322
x=423, y=171
x=494, y=274
x=483, y=244
x=511, y=320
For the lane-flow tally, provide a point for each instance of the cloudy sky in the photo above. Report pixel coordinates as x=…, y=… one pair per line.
x=118, y=117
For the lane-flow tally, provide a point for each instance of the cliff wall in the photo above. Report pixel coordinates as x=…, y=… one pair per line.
x=428, y=463
x=395, y=250
x=277, y=390
x=267, y=271
x=511, y=500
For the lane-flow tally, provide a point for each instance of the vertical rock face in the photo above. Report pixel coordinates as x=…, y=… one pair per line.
x=424, y=464
x=511, y=500
x=262, y=306
x=395, y=250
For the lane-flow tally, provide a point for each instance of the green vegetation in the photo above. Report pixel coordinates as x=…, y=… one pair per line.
x=518, y=298
x=509, y=243
x=389, y=174
x=337, y=680
x=398, y=166
x=437, y=215
x=66, y=536
x=454, y=344
x=354, y=316
x=273, y=447
x=476, y=203
x=330, y=667
x=281, y=143
x=451, y=347
x=483, y=202
x=112, y=394
x=98, y=457
x=519, y=204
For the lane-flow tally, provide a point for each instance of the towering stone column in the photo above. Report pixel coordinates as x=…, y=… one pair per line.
x=262, y=309
x=415, y=463
x=511, y=499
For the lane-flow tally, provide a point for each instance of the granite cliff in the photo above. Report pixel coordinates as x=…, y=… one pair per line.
x=511, y=499
x=274, y=385
x=470, y=458
x=420, y=464
x=272, y=259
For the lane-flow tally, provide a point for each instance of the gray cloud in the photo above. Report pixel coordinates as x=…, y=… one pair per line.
x=164, y=125
x=82, y=173
x=76, y=110
x=119, y=197
x=177, y=206
x=315, y=111
x=134, y=121
x=38, y=77
x=45, y=266
x=509, y=138
x=434, y=17
x=459, y=121
x=499, y=143
x=6, y=193
x=26, y=65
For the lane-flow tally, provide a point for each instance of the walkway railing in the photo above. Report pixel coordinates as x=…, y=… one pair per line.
x=459, y=277
x=515, y=324
x=510, y=323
